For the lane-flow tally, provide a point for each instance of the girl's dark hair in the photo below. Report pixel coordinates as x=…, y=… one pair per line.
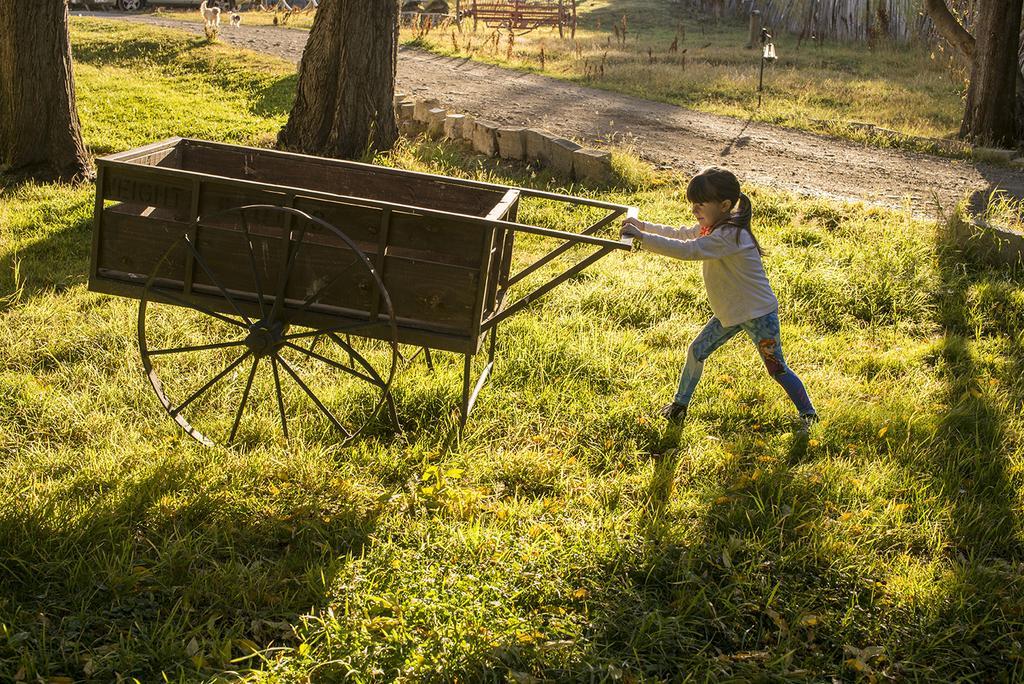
x=715, y=184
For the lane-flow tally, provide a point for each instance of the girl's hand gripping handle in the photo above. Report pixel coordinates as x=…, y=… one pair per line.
x=632, y=227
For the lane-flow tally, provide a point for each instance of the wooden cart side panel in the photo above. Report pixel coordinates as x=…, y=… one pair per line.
x=496, y=255
x=314, y=173
x=168, y=158
x=144, y=150
x=148, y=187
x=217, y=198
x=361, y=224
x=501, y=264
x=133, y=244
x=447, y=240
x=427, y=296
x=432, y=295
x=404, y=175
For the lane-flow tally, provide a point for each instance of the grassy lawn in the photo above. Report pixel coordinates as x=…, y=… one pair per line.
x=824, y=88
x=569, y=535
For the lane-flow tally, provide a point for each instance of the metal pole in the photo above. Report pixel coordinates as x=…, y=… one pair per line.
x=467, y=367
x=760, y=81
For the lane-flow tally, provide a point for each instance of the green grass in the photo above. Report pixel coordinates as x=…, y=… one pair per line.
x=831, y=88
x=569, y=535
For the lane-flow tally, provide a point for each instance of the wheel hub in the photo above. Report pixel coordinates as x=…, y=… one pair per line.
x=265, y=338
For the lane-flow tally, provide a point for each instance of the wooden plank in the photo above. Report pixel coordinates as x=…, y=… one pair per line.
x=125, y=285
x=457, y=242
x=133, y=244
x=428, y=294
x=478, y=220
x=492, y=261
x=97, y=224
x=217, y=198
x=129, y=155
x=314, y=173
x=149, y=187
x=359, y=223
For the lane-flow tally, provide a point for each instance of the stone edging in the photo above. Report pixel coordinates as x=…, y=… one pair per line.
x=989, y=244
x=562, y=156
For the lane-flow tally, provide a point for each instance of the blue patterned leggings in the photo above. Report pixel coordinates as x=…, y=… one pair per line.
x=764, y=332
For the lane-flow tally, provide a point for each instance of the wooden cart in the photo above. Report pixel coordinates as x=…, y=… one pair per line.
x=268, y=259
x=521, y=15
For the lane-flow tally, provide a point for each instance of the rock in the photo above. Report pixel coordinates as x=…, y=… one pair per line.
x=593, y=166
x=947, y=146
x=423, y=108
x=435, y=121
x=993, y=154
x=485, y=138
x=400, y=98
x=537, y=144
x=512, y=143
x=989, y=244
x=406, y=111
x=453, y=126
x=468, y=127
x=560, y=156
x=859, y=126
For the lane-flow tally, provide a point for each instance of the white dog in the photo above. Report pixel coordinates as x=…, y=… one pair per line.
x=211, y=15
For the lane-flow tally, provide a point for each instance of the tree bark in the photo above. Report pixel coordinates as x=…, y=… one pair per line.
x=344, y=106
x=40, y=134
x=990, y=116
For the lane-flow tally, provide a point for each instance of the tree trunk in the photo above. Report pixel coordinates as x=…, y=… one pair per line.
x=40, y=135
x=344, y=107
x=990, y=115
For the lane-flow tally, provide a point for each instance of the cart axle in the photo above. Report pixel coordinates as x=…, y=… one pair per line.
x=265, y=338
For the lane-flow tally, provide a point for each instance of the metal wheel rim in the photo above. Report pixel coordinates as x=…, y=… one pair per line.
x=384, y=384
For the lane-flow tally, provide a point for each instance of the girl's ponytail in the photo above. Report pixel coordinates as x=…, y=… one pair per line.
x=740, y=218
x=742, y=212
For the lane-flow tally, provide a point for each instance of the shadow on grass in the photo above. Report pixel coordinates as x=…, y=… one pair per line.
x=55, y=261
x=758, y=587
x=172, y=571
x=277, y=98
x=971, y=445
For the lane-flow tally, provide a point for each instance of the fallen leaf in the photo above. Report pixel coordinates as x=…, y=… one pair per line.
x=779, y=621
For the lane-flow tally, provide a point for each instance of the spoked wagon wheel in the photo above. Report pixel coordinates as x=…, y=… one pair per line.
x=281, y=324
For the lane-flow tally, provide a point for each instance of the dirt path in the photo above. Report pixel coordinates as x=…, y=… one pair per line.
x=666, y=134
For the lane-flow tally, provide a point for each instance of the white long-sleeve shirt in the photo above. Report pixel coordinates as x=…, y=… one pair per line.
x=738, y=289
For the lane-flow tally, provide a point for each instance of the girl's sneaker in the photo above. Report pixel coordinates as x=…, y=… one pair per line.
x=807, y=420
x=674, y=413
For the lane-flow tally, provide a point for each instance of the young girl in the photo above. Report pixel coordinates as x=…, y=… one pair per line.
x=738, y=290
